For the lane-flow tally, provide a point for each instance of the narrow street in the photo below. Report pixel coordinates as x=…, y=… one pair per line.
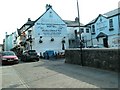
x=55, y=74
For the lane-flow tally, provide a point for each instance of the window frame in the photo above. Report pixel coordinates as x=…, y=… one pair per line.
x=87, y=30
x=111, y=24
x=93, y=29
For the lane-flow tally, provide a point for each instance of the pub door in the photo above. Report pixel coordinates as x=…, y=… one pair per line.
x=105, y=42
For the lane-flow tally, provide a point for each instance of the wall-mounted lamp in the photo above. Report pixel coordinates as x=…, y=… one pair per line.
x=40, y=41
x=52, y=39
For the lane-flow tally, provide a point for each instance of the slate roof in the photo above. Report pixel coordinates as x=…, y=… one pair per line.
x=113, y=12
x=29, y=22
x=107, y=15
x=72, y=23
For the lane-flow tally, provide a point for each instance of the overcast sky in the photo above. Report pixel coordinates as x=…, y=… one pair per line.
x=14, y=13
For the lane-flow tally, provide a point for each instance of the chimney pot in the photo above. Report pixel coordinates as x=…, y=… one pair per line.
x=29, y=19
x=48, y=6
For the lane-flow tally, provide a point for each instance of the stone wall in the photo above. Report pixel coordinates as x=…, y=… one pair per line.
x=97, y=58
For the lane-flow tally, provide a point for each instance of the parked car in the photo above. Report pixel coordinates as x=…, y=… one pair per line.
x=49, y=54
x=30, y=55
x=8, y=57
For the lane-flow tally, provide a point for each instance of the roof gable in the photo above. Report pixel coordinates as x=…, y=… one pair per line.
x=94, y=20
x=30, y=23
x=73, y=23
x=54, y=16
x=107, y=15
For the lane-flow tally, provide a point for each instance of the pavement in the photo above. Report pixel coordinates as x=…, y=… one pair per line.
x=11, y=79
x=56, y=74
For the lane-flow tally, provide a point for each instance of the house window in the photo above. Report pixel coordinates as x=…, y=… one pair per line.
x=82, y=30
x=111, y=24
x=93, y=29
x=87, y=30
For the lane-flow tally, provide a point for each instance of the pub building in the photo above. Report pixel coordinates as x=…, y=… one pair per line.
x=48, y=32
x=105, y=29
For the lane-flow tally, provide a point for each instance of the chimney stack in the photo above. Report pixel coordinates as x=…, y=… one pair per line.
x=29, y=19
x=48, y=6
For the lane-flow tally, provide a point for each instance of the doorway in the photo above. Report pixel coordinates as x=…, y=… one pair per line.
x=105, y=42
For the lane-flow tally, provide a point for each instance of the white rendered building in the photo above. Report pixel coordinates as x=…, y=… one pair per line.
x=105, y=29
x=48, y=32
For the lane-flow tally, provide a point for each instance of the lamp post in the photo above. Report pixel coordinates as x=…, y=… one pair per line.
x=80, y=33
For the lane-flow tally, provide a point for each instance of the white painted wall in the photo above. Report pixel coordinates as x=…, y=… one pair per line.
x=87, y=36
x=103, y=26
x=50, y=25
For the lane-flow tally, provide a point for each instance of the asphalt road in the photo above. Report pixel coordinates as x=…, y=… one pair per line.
x=55, y=74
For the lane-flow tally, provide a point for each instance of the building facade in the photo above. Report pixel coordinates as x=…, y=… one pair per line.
x=105, y=29
x=74, y=33
x=10, y=41
x=48, y=32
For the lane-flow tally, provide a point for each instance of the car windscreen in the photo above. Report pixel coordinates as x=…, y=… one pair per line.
x=8, y=54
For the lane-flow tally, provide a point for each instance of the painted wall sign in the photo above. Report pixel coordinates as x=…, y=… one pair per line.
x=51, y=29
x=101, y=25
